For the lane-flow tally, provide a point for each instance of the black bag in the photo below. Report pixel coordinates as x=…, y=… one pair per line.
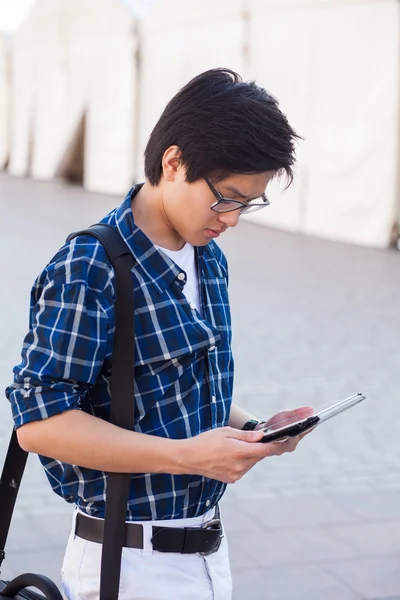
x=122, y=415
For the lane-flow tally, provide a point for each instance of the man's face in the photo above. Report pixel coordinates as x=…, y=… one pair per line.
x=188, y=205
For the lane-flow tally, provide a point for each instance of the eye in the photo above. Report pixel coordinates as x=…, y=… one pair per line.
x=234, y=196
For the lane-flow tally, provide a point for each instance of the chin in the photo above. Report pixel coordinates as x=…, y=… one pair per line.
x=196, y=239
x=203, y=240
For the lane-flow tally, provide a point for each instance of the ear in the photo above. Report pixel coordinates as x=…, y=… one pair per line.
x=171, y=162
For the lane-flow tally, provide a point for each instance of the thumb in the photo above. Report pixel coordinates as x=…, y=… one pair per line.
x=246, y=436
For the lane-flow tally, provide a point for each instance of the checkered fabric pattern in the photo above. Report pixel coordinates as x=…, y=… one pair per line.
x=184, y=365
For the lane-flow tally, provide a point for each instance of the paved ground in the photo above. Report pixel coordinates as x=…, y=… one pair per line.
x=314, y=321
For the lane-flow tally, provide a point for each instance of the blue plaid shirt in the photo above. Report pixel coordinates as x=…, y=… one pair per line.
x=184, y=365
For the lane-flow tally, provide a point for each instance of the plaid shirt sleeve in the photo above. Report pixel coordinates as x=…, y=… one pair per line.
x=64, y=351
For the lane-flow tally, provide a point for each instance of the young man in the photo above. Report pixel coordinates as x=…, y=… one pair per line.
x=208, y=160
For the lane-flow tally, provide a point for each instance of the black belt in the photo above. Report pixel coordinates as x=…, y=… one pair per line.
x=204, y=539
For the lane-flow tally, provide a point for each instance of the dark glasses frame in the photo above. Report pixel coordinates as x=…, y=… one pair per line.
x=242, y=206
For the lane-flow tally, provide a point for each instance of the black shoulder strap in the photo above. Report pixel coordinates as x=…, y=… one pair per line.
x=10, y=481
x=122, y=415
x=122, y=401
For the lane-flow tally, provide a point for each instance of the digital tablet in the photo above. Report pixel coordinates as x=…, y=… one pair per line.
x=283, y=429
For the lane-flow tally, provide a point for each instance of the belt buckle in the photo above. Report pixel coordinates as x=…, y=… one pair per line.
x=213, y=524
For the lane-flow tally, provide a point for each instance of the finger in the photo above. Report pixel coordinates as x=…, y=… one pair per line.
x=300, y=437
x=289, y=416
x=276, y=448
x=300, y=413
x=289, y=445
x=245, y=436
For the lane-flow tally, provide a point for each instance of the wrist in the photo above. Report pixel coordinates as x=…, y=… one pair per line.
x=261, y=425
x=181, y=457
x=253, y=425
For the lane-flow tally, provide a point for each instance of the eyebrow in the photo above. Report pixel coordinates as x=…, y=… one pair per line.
x=237, y=192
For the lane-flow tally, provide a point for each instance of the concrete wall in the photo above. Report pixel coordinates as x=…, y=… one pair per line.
x=74, y=75
x=4, y=102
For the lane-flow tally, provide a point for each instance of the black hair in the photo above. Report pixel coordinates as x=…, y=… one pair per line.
x=222, y=125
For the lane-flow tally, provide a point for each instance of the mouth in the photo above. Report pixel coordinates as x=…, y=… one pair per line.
x=214, y=232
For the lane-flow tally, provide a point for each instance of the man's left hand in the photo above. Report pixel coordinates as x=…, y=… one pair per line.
x=287, y=417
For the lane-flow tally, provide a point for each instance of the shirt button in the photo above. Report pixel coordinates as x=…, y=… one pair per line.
x=192, y=306
x=181, y=276
x=213, y=399
x=211, y=348
x=208, y=502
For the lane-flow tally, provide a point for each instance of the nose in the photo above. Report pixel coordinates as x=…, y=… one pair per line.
x=230, y=219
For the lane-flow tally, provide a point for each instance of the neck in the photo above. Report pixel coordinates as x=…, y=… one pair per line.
x=150, y=216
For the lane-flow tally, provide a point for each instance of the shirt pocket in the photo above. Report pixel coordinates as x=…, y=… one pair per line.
x=171, y=331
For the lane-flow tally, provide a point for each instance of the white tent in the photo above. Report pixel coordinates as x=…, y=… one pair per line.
x=73, y=94
x=334, y=65
x=179, y=40
x=4, y=102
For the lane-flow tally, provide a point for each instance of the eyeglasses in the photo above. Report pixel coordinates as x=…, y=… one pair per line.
x=227, y=205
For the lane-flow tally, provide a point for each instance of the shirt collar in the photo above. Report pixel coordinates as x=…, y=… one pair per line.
x=159, y=270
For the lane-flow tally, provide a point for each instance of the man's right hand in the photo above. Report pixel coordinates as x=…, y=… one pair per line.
x=226, y=454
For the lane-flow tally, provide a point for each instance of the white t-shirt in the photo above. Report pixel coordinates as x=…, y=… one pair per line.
x=185, y=259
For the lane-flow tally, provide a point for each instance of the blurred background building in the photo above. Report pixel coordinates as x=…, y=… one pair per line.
x=82, y=83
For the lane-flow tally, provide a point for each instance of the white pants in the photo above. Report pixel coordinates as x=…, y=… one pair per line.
x=147, y=574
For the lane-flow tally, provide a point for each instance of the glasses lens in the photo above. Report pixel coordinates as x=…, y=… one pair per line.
x=227, y=206
x=249, y=208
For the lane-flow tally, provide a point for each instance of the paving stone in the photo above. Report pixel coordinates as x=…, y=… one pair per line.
x=56, y=526
x=236, y=520
x=302, y=583
x=298, y=511
x=240, y=560
x=370, y=539
x=373, y=578
x=7, y=572
x=27, y=534
x=44, y=562
x=295, y=546
x=377, y=504
x=348, y=488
